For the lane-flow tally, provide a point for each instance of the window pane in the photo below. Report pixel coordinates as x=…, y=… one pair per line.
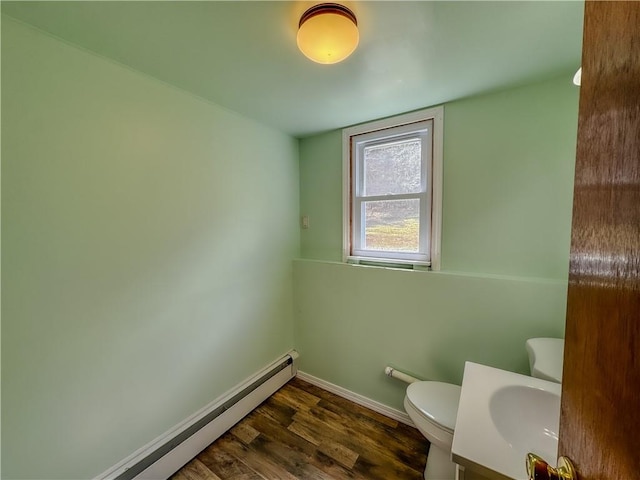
x=392, y=168
x=392, y=225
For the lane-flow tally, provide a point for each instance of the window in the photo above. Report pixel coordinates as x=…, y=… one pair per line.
x=393, y=190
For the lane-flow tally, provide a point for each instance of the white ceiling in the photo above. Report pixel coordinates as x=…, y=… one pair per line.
x=243, y=55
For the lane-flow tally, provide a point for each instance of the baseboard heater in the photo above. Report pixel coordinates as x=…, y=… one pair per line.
x=171, y=451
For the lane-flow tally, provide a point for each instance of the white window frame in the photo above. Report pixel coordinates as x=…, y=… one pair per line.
x=431, y=201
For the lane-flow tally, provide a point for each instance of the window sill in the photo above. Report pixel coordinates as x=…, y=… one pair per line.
x=389, y=263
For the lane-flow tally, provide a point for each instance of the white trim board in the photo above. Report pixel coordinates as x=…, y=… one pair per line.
x=385, y=410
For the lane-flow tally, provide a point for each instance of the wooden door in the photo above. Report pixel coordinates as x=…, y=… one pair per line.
x=600, y=414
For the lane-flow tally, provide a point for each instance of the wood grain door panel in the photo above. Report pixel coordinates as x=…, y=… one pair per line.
x=600, y=413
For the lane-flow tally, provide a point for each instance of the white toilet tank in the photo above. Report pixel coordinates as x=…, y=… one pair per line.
x=545, y=358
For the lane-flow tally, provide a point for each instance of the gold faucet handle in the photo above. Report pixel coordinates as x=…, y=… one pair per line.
x=538, y=469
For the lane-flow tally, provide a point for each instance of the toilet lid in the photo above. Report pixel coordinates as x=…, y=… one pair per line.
x=437, y=401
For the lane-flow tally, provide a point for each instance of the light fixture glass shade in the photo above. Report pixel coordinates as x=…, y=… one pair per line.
x=577, y=78
x=328, y=33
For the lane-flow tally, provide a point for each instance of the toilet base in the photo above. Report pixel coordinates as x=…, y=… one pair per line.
x=439, y=465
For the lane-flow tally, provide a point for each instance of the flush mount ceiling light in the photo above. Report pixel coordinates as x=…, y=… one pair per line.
x=328, y=33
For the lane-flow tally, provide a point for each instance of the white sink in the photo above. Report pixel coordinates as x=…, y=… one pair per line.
x=527, y=418
x=502, y=416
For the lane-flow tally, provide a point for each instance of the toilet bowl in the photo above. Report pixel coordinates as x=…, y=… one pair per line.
x=433, y=406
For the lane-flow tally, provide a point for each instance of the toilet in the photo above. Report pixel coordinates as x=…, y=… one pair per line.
x=545, y=358
x=433, y=406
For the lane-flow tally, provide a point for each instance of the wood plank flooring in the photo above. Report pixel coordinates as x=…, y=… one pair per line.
x=303, y=432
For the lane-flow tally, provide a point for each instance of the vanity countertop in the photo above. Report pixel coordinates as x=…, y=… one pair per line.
x=502, y=416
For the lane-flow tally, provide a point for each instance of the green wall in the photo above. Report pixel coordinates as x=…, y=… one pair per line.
x=146, y=264
x=507, y=196
x=508, y=181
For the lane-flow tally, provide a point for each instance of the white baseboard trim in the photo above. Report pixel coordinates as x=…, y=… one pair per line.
x=357, y=398
x=186, y=440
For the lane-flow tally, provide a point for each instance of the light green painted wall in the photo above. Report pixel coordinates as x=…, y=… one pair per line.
x=508, y=182
x=352, y=321
x=146, y=264
x=321, y=196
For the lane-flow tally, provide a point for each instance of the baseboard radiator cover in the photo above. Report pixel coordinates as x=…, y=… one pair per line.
x=165, y=455
x=381, y=408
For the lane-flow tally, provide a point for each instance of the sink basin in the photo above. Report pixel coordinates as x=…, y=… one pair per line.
x=527, y=418
x=502, y=416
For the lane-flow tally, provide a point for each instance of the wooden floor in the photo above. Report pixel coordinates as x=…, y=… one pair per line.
x=303, y=432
